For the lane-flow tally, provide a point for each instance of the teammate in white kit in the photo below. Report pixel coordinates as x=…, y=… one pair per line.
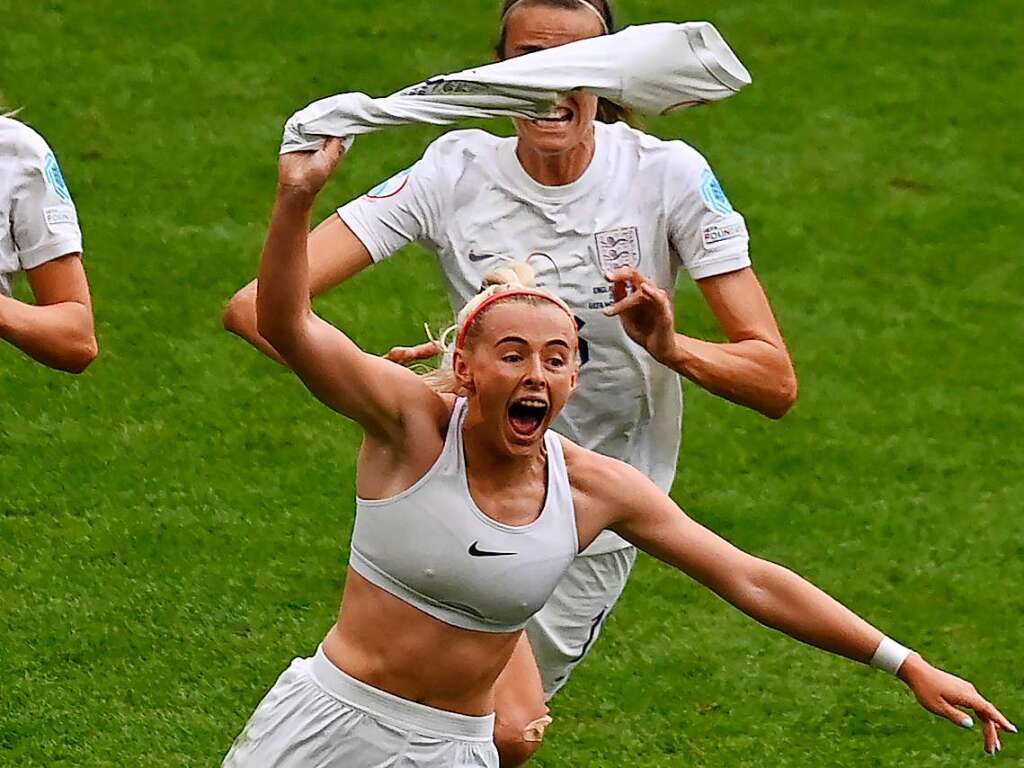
x=40, y=236
x=469, y=512
x=575, y=198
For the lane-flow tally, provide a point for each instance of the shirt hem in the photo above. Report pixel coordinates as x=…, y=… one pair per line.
x=719, y=266
x=364, y=236
x=41, y=254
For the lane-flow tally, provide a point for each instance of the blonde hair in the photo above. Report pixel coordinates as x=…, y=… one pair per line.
x=512, y=277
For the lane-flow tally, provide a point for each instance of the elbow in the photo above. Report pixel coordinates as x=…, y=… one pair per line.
x=237, y=315
x=784, y=394
x=80, y=355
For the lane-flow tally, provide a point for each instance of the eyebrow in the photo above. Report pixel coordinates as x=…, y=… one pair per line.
x=520, y=340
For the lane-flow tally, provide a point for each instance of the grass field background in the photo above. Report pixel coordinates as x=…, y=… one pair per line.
x=174, y=523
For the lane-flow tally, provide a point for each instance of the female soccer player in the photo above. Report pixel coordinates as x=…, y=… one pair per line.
x=39, y=235
x=575, y=197
x=469, y=512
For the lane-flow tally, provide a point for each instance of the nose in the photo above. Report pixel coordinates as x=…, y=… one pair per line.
x=535, y=373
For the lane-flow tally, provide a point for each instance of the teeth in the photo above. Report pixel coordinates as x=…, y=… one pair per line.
x=533, y=403
x=558, y=116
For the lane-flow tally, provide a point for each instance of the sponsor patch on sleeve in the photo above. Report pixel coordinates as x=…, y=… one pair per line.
x=59, y=216
x=713, y=193
x=391, y=187
x=717, y=233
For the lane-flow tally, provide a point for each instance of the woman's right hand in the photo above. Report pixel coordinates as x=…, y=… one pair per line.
x=307, y=172
x=941, y=693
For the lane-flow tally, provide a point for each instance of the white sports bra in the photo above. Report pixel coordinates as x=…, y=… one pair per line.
x=433, y=548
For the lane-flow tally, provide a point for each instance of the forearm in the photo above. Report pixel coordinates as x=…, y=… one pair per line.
x=60, y=335
x=282, y=293
x=782, y=600
x=753, y=372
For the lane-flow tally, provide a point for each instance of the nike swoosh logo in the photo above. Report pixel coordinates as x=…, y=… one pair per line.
x=475, y=551
x=473, y=256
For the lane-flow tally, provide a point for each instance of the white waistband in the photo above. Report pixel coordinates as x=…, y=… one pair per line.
x=405, y=714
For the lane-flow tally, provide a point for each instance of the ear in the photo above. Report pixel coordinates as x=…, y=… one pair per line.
x=575, y=379
x=460, y=367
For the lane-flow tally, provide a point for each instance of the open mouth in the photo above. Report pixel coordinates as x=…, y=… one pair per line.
x=526, y=416
x=558, y=116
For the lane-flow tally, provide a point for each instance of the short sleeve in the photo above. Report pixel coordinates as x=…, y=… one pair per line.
x=407, y=207
x=707, y=234
x=44, y=221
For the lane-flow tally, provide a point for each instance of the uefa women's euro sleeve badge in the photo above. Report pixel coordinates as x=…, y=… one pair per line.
x=713, y=193
x=55, y=178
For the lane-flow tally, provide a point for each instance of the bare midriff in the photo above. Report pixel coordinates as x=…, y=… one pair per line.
x=385, y=642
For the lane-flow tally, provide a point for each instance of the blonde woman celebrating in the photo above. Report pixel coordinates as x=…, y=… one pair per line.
x=40, y=236
x=469, y=512
x=575, y=195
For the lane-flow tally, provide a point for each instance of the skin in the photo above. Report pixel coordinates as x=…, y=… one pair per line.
x=752, y=369
x=516, y=351
x=58, y=330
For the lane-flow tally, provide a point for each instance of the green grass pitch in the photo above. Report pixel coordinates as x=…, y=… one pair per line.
x=173, y=524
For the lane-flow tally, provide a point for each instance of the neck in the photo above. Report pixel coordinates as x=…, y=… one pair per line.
x=489, y=460
x=560, y=169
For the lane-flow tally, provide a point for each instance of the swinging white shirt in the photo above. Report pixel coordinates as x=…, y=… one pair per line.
x=642, y=201
x=653, y=69
x=38, y=221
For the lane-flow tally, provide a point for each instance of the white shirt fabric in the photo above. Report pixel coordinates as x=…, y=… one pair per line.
x=642, y=201
x=38, y=221
x=653, y=69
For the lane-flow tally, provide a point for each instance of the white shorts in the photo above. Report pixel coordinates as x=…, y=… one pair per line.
x=316, y=716
x=564, y=630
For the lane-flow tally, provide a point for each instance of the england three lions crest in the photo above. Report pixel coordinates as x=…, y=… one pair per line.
x=618, y=248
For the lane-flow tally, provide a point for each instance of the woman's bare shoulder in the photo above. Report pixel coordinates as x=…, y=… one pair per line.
x=596, y=476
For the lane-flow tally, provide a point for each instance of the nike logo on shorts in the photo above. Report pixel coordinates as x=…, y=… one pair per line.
x=474, y=256
x=475, y=551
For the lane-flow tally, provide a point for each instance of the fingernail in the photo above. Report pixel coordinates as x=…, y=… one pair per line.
x=967, y=722
x=1013, y=728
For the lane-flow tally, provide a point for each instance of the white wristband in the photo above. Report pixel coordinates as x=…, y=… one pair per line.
x=890, y=656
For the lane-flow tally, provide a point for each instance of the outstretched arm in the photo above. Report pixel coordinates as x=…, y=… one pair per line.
x=58, y=329
x=371, y=391
x=779, y=598
x=752, y=369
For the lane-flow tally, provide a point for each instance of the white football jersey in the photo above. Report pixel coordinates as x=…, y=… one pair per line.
x=38, y=221
x=643, y=202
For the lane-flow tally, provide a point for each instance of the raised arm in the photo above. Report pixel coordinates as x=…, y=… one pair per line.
x=770, y=593
x=371, y=391
x=58, y=329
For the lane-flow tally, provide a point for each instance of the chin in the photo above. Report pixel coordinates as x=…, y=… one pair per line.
x=550, y=142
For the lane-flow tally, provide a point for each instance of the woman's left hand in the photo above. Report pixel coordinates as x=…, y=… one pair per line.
x=307, y=172
x=941, y=693
x=645, y=310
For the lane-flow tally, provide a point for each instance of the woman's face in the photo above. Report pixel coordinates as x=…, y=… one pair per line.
x=536, y=27
x=520, y=366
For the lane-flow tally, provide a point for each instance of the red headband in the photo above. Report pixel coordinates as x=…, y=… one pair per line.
x=495, y=297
